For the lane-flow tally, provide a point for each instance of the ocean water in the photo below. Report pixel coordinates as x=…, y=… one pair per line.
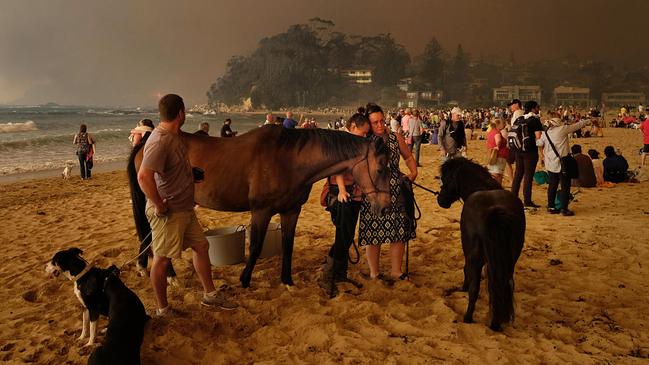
x=34, y=138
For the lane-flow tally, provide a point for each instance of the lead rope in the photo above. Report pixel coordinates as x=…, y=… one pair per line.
x=417, y=217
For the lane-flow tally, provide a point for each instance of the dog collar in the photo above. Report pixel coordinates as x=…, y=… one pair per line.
x=84, y=271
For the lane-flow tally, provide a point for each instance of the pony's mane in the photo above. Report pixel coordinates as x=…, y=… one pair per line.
x=335, y=144
x=474, y=172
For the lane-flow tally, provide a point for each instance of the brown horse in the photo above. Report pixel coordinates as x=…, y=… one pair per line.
x=271, y=170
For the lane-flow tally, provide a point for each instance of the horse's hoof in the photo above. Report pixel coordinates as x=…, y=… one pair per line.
x=245, y=283
x=452, y=290
x=288, y=282
x=496, y=327
x=289, y=287
x=468, y=319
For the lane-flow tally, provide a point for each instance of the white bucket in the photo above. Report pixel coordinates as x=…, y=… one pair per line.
x=272, y=241
x=227, y=245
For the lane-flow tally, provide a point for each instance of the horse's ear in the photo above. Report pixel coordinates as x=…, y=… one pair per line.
x=380, y=146
x=76, y=251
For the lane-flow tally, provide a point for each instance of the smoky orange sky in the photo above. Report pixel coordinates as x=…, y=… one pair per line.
x=126, y=52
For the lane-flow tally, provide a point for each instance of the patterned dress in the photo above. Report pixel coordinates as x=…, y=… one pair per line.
x=394, y=225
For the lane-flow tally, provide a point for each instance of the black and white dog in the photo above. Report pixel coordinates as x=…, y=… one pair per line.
x=101, y=291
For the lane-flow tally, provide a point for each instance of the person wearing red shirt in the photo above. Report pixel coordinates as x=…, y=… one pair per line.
x=644, y=127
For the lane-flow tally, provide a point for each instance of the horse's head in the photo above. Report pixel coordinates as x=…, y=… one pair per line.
x=461, y=178
x=450, y=189
x=373, y=175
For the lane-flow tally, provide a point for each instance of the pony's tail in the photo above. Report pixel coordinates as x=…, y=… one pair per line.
x=499, y=248
x=139, y=203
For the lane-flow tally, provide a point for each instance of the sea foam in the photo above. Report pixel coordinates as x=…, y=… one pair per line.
x=18, y=127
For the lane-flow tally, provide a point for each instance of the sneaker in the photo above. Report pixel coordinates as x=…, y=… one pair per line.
x=166, y=312
x=532, y=205
x=567, y=212
x=553, y=210
x=216, y=299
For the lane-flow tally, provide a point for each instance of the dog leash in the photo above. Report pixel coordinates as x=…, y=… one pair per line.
x=146, y=248
x=141, y=253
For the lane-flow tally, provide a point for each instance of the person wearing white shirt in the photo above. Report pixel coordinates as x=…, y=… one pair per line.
x=558, y=134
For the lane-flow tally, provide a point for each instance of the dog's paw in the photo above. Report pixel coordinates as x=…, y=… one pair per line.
x=141, y=271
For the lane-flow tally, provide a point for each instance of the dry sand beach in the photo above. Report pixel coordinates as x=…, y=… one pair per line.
x=581, y=284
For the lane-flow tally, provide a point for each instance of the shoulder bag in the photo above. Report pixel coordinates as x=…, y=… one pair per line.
x=568, y=163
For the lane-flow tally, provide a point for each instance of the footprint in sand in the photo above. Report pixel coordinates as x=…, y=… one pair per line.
x=30, y=296
x=113, y=252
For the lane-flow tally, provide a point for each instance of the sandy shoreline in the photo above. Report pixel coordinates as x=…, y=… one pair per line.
x=581, y=284
x=99, y=167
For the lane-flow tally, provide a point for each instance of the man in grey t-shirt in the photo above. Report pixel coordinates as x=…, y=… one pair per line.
x=165, y=177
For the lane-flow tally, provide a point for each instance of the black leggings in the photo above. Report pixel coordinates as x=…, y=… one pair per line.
x=525, y=168
x=344, y=216
x=553, y=184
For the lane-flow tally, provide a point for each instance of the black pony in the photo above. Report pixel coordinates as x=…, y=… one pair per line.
x=493, y=232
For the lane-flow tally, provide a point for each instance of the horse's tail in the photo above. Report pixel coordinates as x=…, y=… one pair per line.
x=500, y=249
x=139, y=203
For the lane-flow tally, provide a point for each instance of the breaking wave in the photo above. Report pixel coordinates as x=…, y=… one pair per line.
x=18, y=127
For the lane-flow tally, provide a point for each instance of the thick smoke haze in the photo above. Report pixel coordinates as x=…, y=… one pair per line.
x=127, y=52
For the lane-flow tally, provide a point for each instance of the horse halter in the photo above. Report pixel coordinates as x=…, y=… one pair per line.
x=375, y=189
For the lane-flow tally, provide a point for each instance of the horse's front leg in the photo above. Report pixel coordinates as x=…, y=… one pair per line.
x=258, y=227
x=289, y=222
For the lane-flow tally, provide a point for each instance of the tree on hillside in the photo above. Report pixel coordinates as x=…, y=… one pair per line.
x=597, y=76
x=234, y=84
x=430, y=64
x=459, y=75
x=386, y=58
x=287, y=69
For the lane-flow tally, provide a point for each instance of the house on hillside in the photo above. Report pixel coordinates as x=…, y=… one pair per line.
x=504, y=94
x=422, y=99
x=575, y=96
x=623, y=98
x=404, y=84
x=358, y=76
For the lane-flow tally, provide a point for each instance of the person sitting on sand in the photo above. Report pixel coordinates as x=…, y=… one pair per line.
x=598, y=167
x=144, y=126
x=587, y=178
x=615, y=166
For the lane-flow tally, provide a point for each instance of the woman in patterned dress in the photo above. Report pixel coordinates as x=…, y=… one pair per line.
x=393, y=226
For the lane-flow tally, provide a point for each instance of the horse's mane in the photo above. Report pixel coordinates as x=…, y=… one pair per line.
x=335, y=144
x=474, y=173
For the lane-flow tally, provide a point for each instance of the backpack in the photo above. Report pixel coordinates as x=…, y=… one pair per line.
x=84, y=144
x=518, y=137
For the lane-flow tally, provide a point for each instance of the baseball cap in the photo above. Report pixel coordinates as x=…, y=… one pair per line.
x=456, y=110
x=514, y=101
